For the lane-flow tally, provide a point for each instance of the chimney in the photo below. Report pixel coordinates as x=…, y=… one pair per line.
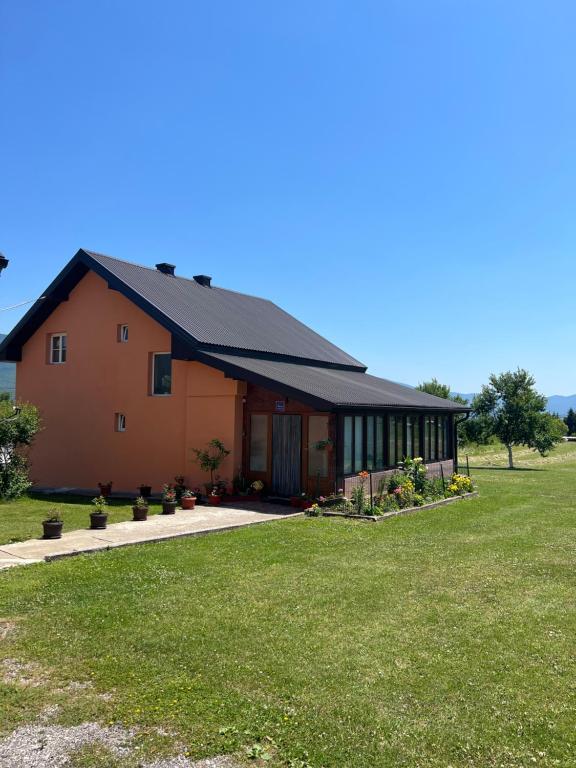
x=166, y=269
x=203, y=280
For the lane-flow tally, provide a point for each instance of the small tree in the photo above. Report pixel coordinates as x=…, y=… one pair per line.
x=570, y=421
x=211, y=457
x=16, y=433
x=434, y=387
x=512, y=410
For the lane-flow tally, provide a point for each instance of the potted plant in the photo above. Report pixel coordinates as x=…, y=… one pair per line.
x=188, y=500
x=168, y=500
x=179, y=486
x=257, y=486
x=53, y=525
x=215, y=497
x=210, y=460
x=145, y=491
x=105, y=489
x=140, y=509
x=99, y=516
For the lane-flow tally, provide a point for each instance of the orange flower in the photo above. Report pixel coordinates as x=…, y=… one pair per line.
x=363, y=474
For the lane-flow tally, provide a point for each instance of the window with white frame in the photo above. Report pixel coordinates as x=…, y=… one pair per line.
x=120, y=422
x=161, y=373
x=58, y=347
x=123, y=333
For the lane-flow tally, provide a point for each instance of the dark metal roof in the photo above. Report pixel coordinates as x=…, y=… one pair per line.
x=224, y=318
x=328, y=387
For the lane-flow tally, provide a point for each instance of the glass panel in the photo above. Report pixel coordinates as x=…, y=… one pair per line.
x=433, y=438
x=358, y=440
x=347, y=445
x=391, y=441
x=409, y=443
x=258, y=442
x=445, y=441
x=369, y=442
x=63, y=349
x=318, y=457
x=379, y=442
x=400, y=450
x=416, y=437
x=55, y=349
x=162, y=380
x=426, y=438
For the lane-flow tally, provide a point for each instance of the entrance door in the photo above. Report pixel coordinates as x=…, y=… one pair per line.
x=286, y=454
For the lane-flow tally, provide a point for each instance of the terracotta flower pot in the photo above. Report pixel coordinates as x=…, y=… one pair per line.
x=168, y=507
x=188, y=502
x=139, y=514
x=98, y=520
x=214, y=501
x=52, y=529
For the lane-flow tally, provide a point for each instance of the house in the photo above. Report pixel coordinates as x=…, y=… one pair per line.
x=133, y=368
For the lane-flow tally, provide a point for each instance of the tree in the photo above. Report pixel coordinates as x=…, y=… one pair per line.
x=512, y=410
x=440, y=390
x=17, y=431
x=570, y=421
x=211, y=458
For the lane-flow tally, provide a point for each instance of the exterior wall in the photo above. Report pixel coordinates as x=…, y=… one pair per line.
x=433, y=471
x=263, y=401
x=78, y=445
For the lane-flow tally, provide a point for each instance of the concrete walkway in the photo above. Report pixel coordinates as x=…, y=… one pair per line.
x=195, y=522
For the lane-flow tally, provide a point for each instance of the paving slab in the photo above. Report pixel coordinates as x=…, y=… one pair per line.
x=196, y=522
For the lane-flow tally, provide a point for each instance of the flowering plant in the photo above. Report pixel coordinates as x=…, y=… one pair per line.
x=459, y=485
x=168, y=494
x=257, y=486
x=100, y=504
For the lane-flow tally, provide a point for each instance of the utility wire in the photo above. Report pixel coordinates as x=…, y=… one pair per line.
x=22, y=304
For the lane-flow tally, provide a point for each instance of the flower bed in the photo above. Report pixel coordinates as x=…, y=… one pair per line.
x=409, y=488
x=396, y=512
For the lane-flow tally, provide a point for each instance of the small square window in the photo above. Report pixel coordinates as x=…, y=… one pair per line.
x=58, y=348
x=123, y=333
x=120, y=422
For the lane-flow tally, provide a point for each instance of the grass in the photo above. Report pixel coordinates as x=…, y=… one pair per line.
x=445, y=638
x=22, y=519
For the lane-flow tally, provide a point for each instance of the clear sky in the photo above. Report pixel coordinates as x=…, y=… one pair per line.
x=398, y=174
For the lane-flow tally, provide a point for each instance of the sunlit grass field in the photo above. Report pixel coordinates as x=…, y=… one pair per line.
x=445, y=638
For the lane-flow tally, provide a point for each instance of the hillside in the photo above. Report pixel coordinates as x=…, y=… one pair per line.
x=559, y=404
x=7, y=375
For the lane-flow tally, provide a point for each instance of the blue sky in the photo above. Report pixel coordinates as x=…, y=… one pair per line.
x=399, y=175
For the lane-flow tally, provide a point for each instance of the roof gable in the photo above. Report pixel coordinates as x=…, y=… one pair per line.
x=199, y=317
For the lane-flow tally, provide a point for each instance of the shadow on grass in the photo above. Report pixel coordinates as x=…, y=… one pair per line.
x=507, y=469
x=64, y=498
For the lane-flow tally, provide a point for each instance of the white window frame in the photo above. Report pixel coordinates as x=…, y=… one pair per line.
x=123, y=333
x=62, y=349
x=159, y=394
x=120, y=422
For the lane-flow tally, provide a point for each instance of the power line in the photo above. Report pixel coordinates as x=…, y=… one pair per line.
x=21, y=304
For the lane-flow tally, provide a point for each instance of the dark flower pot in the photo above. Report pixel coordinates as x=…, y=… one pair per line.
x=168, y=507
x=105, y=489
x=139, y=513
x=52, y=529
x=98, y=520
x=145, y=491
x=188, y=502
x=214, y=501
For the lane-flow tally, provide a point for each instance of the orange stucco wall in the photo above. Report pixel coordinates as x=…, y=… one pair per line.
x=78, y=400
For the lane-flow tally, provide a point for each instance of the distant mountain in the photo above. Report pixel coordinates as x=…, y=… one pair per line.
x=7, y=375
x=559, y=404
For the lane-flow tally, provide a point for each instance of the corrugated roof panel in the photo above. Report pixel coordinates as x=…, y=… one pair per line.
x=225, y=318
x=339, y=388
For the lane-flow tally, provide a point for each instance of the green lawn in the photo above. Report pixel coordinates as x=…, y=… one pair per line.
x=445, y=638
x=22, y=519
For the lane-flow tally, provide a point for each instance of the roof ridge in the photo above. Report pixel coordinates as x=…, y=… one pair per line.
x=177, y=277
